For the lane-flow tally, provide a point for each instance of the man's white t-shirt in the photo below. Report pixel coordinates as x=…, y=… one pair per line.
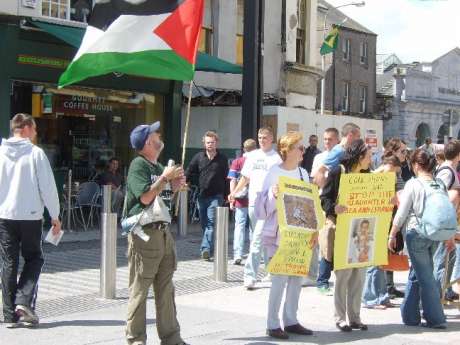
x=317, y=162
x=448, y=176
x=255, y=168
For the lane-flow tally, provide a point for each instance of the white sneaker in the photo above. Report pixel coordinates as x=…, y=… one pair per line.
x=26, y=314
x=249, y=284
x=237, y=261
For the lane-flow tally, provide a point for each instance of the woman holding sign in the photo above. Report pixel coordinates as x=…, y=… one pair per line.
x=291, y=150
x=349, y=282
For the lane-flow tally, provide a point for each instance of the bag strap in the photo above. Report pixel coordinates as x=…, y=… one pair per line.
x=301, y=175
x=452, y=172
x=424, y=186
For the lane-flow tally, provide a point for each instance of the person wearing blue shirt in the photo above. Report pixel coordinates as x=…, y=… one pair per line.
x=350, y=132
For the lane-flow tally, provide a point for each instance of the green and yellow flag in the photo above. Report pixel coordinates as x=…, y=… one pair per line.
x=331, y=41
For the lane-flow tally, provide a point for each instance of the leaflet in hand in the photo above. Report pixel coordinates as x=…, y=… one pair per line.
x=54, y=239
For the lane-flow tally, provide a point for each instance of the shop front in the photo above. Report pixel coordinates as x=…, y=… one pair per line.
x=82, y=128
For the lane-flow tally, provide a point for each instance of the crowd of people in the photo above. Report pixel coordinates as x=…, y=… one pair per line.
x=250, y=186
x=253, y=192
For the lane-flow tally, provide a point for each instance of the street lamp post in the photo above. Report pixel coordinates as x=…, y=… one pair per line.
x=323, y=57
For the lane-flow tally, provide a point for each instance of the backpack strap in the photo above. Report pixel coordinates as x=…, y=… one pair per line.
x=124, y=213
x=452, y=173
x=301, y=175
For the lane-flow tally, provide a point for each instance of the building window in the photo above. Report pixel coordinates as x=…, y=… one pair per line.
x=363, y=99
x=239, y=31
x=346, y=50
x=205, y=45
x=56, y=9
x=346, y=97
x=301, y=26
x=363, y=53
x=76, y=10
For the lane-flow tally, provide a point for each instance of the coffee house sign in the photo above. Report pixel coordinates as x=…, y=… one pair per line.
x=79, y=105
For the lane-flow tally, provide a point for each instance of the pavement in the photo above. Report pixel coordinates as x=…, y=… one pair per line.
x=209, y=312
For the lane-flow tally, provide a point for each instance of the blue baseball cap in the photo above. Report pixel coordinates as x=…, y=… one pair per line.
x=139, y=135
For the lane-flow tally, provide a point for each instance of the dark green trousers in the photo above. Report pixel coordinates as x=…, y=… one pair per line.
x=152, y=263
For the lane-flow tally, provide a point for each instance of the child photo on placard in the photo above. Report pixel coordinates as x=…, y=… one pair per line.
x=361, y=240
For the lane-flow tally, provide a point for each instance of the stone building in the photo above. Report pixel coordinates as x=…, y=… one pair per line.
x=421, y=99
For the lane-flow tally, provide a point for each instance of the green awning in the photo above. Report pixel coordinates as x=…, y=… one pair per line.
x=209, y=63
x=74, y=35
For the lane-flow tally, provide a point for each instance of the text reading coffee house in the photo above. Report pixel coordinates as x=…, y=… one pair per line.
x=87, y=104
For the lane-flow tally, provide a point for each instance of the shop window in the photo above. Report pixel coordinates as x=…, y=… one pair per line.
x=205, y=45
x=82, y=128
x=76, y=10
x=239, y=31
x=301, y=26
x=346, y=50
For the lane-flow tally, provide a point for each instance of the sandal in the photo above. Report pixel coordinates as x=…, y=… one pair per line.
x=360, y=326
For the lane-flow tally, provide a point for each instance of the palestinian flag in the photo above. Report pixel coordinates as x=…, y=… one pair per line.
x=331, y=41
x=150, y=38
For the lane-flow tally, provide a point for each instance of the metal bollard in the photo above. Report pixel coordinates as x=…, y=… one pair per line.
x=221, y=246
x=108, y=273
x=183, y=213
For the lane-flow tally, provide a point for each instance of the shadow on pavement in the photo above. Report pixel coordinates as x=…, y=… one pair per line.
x=328, y=337
x=87, y=323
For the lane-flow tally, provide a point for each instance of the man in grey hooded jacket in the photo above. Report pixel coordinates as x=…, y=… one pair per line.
x=26, y=186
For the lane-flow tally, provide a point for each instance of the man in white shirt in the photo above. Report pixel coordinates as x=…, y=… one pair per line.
x=350, y=132
x=330, y=139
x=26, y=186
x=255, y=169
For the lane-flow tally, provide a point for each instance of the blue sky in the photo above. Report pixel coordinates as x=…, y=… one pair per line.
x=415, y=30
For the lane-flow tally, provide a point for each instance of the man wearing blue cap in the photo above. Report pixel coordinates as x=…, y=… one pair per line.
x=151, y=262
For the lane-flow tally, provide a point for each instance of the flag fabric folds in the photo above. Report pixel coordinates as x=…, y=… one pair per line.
x=149, y=38
x=331, y=41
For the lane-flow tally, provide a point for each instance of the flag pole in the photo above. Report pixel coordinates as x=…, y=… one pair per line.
x=187, y=120
x=184, y=143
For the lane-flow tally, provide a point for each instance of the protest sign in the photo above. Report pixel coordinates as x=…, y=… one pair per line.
x=299, y=217
x=362, y=231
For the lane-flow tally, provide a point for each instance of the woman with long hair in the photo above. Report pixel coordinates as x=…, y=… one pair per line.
x=291, y=150
x=421, y=285
x=375, y=294
x=397, y=148
x=349, y=282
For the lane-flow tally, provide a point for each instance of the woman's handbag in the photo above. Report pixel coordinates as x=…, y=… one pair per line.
x=396, y=262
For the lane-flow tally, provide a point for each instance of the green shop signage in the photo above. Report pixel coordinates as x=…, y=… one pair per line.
x=42, y=61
